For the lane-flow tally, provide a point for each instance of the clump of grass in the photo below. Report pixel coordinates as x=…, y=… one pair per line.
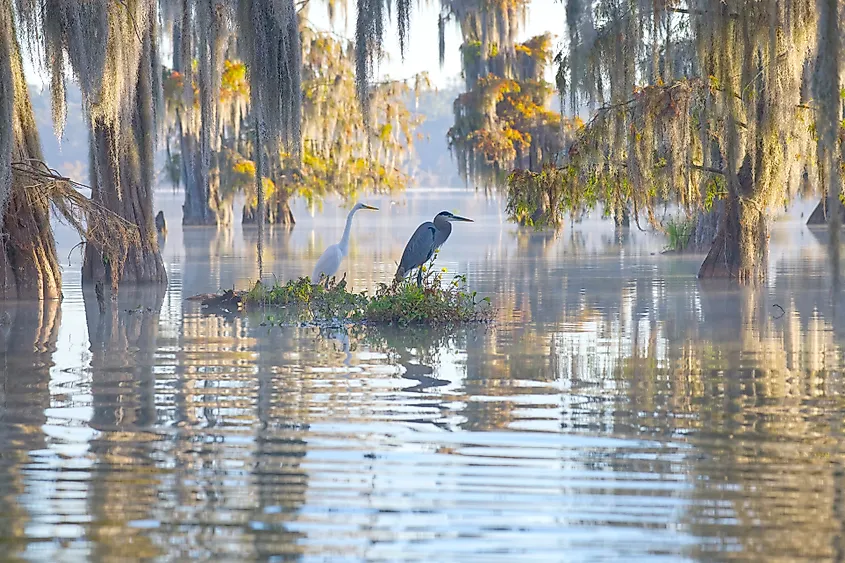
x=430, y=303
x=326, y=301
x=400, y=303
x=679, y=230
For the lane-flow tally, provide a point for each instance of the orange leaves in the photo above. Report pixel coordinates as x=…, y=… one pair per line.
x=233, y=84
x=174, y=90
x=494, y=145
x=498, y=122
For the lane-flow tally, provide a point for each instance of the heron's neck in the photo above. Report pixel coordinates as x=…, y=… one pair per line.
x=344, y=241
x=443, y=225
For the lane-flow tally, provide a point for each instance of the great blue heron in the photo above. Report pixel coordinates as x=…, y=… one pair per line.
x=329, y=262
x=426, y=239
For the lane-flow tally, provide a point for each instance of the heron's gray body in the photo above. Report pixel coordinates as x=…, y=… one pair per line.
x=424, y=242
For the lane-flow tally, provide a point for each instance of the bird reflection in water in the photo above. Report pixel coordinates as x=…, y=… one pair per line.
x=340, y=335
x=416, y=350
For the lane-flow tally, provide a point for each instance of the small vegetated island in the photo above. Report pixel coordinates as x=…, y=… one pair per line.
x=330, y=302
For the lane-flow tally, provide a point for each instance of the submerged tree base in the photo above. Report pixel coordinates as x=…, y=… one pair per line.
x=276, y=213
x=740, y=249
x=819, y=214
x=401, y=303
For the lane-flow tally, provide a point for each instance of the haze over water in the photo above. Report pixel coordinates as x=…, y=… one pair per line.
x=618, y=408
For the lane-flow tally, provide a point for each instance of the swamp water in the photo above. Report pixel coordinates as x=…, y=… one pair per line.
x=618, y=408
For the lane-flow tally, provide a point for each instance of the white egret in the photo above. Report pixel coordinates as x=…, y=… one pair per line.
x=329, y=262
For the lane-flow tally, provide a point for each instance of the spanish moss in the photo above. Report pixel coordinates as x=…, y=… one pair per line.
x=7, y=108
x=122, y=113
x=271, y=49
x=827, y=86
x=273, y=55
x=715, y=110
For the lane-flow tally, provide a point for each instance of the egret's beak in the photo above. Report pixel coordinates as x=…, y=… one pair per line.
x=365, y=206
x=459, y=218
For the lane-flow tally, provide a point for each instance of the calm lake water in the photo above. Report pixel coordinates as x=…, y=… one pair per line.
x=618, y=408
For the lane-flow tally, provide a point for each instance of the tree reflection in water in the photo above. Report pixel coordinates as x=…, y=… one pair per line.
x=129, y=480
x=615, y=397
x=28, y=333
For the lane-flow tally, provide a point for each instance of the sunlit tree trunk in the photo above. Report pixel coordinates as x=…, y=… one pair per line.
x=740, y=248
x=122, y=180
x=29, y=268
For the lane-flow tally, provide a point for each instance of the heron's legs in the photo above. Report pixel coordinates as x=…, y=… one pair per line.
x=419, y=276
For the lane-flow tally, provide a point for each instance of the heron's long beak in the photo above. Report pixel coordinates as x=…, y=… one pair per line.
x=365, y=206
x=459, y=218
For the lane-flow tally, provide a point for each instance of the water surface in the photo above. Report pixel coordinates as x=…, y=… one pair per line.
x=618, y=408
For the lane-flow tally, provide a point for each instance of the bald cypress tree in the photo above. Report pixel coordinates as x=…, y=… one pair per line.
x=200, y=33
x=111, y=49
x=29, y=268
x=701, y=105
x=123, y=114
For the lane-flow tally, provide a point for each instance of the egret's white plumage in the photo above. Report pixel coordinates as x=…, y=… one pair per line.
x=329, y=262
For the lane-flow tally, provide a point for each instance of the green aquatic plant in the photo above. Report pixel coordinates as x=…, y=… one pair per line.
x=403, y=303
x=679, y=231
x=321, y=302
x=432, y=302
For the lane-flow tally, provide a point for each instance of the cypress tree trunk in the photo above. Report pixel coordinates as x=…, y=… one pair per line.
x=740, y=249
x=706, y=228
x=283, y=214
x=224, y=212
x=202, y=188
x=276, y=212
x=195, y=210
x=829, y=116
x=621, y=217
x=122, y=181
x=29, y=268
